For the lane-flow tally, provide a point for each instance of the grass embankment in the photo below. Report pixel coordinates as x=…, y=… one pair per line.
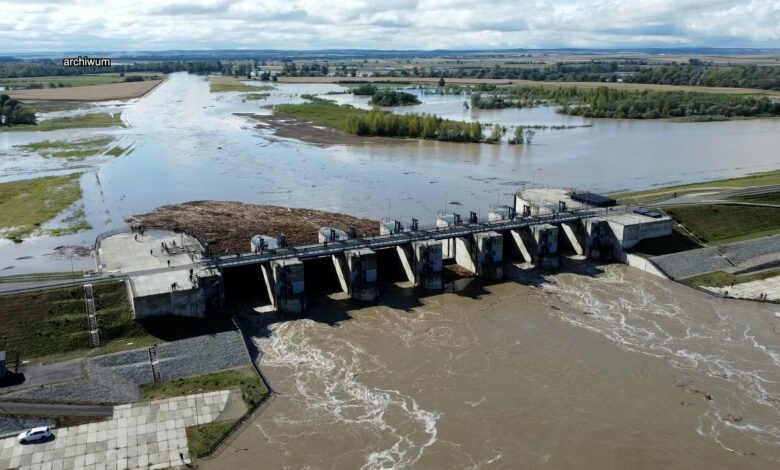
x=202, y=438
x=756, y=179
x=72, y=149
x=717, y=224
x=224, y=84
x=83, y=120
x=51, y=325
x=724, y=279
x=54, y=106
x=25, y=205
x=766, y=198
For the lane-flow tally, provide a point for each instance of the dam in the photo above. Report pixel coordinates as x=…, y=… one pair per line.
x=175, y=274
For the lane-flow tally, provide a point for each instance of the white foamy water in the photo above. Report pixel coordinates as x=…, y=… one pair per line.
x=328, y=391
x=718, y=338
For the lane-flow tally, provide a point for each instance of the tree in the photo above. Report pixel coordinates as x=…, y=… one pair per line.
x=441, y=81
x=529, y=136
x=518, y=138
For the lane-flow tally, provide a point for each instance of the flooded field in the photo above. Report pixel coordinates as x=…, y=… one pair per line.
x=602, y=367
x=187, y=144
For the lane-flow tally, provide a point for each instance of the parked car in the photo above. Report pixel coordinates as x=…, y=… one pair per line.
x=34, y=434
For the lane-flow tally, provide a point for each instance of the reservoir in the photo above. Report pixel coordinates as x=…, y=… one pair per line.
x=187, y=144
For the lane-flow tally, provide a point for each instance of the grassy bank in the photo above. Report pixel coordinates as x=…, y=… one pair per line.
x=724, y=279
x=25, y=205
x=756, y=179
x=72, y=149
x=202, y=438
x=766, y=198
x=376, y=123
x=220, y=84
x=51, y=325
x=718, y=224
x=83, y=120
x=243, y=378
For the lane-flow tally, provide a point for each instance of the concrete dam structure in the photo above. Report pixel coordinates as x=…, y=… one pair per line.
x=171, y=274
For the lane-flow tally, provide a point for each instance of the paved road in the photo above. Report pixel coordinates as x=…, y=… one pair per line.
x=50, y=409
x=719, y=196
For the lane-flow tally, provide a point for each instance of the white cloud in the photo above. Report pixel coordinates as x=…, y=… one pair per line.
x=30, y=25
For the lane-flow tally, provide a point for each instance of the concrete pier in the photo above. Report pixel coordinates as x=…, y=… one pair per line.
x=362, y=274
x=428, y=264
x=481, y=253
x=288, y=285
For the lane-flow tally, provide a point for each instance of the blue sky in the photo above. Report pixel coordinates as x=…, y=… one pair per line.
x=71, y=25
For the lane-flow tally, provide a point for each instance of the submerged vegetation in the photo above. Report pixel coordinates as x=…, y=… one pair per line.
x=26, y=204
x=82, y=120
x=605, y=102
x=393, y=98
x=76, y=149
x=383, y=123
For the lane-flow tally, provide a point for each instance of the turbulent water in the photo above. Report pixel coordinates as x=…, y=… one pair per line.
x=600, y=368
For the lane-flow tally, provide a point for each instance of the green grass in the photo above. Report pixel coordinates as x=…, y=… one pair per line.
x=766, y=198
x=67, y=81
x=756, y=179
x=54, y=106
x=26, y=204
x=83, y=120
x=256, y=96
x=201, y=438
x=322, y=112
x=117, y=151
x=718, y=224
x=724, y=279
x=50, y=325
x=224, y=87
x=244, y=378
x=71, y=149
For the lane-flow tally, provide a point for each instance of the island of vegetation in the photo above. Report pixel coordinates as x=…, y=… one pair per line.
x=606, y=102
x=383, y=123
x=393, y=98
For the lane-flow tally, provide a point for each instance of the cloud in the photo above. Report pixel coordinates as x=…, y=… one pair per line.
x=56, y=25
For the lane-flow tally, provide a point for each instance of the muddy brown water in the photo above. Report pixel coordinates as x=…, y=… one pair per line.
x=606, y=367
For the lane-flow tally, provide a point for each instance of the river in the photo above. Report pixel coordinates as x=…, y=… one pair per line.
x=603, y=367
x=188, y=145
x=596, y=367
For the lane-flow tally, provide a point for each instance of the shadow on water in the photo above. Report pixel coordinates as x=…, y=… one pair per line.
x=333, y=310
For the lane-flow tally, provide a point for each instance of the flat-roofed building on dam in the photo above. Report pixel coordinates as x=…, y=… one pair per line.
x=171, y=284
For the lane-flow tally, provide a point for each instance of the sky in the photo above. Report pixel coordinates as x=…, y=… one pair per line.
x=146, y=25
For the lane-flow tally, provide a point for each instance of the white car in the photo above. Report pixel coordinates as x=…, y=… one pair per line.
x=34, y=434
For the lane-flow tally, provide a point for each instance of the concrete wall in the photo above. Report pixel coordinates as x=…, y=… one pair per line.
x=362, y=269
x=184, y=303
x=288, y=285
x=631, y=233
x=428, y=264
x=644, y=264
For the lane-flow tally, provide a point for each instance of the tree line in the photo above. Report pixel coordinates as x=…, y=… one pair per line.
x=420, y=126
x=393, y=98
x=628, y=104
x=50, y=67
x=12, y=112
